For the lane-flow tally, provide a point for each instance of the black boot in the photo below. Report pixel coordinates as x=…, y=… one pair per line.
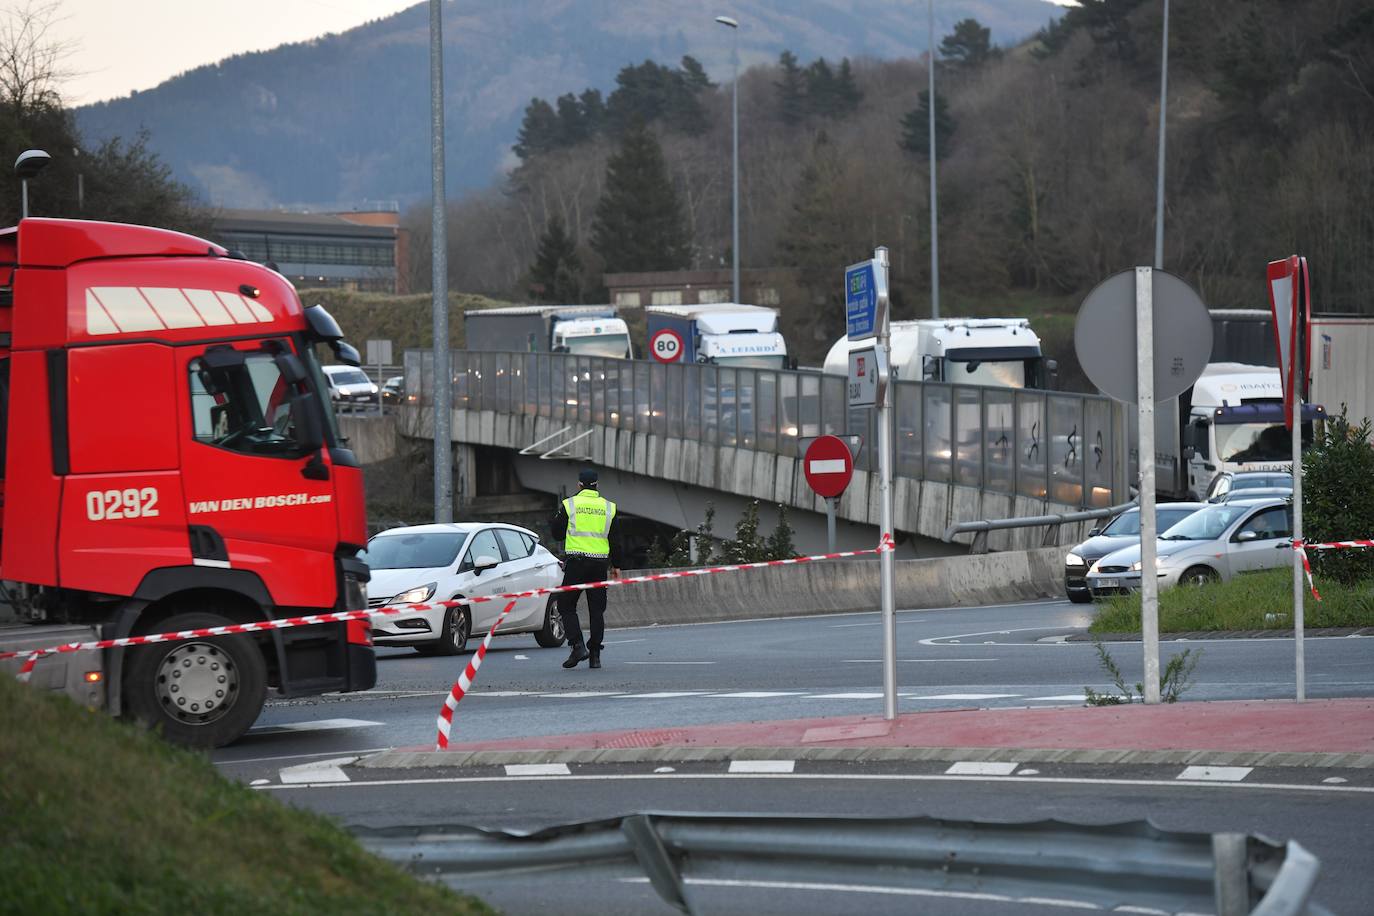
x=579, y=652
x=595, y=659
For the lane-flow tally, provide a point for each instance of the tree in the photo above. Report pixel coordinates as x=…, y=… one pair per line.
x=539, y=131
x=572, y=122
x=821, y=95
x=916, y=127
x=780, y=546
x=694, y=76
x=969, y=46
x=593, y=111
x=556, y=275
x=1338, y=498
x=638, y=224
x=815, y=239
x=791, y=89
x=847, y=92
x=32, y=62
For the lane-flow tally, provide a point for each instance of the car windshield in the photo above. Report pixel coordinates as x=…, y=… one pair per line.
x=1263, y=481
x=1205, y=524
x=413, y=551
x=349, y=377
x=615, y=346
x=1128, y=523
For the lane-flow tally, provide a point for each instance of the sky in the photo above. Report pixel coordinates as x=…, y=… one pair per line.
x=119, y=46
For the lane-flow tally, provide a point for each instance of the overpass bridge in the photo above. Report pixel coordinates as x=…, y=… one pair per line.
x=669, y=439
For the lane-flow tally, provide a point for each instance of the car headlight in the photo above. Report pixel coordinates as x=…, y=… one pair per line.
x=1135, y=567
x=1074, y=559
x=416, y=595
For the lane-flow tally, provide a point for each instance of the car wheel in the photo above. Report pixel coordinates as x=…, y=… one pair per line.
x=197, y=692
x=551, y=634
x=1198, y=575
x=1083, y=597
x=457, y=628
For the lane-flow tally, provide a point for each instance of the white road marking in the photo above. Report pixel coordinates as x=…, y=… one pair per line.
x=981, y=768
x=954, y=638
x=762, y=766
x=927, y=610
x=522, y=658
x=580, y=694
x=1029, y=772
x=878, y=661
x=1062, y=698
x=874, y=889
x=317, y=725
x=1216, y=774
x=671, y=770
x=317, y=772
x=1334, y=780
x=870, y=777
x=845, y=696
x=667, y=663
x=621, y=642
x=359, y=753
x=667, y=695
x=501, y=693
x=537, y=769
x=757, y=694
x=260, y=782
x=967, y=696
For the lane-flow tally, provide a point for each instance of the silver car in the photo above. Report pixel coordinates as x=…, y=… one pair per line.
x=1216, y=543
x=1120, y=532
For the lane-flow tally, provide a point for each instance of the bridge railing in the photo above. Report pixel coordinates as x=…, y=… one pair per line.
x=1039, y=444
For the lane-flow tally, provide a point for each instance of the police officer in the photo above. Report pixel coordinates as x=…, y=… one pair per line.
x=590, y=558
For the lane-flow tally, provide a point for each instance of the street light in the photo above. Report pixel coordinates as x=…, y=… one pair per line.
x=734, y=195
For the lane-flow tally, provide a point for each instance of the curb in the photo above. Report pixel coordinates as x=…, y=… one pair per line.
x=1186, y=635
x=420, y=759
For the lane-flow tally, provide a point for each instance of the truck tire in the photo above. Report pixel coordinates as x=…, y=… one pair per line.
x=197, y=692
x=551, y=635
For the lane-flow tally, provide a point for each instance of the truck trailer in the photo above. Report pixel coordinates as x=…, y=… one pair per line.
x=583, y=330
x=721, y=333
x=1002, y=352
x=170, y=462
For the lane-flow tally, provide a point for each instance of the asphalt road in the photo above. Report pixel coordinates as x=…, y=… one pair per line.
x=1010, y=655
x=659, y=677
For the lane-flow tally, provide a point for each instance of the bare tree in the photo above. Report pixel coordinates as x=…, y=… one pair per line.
x=32, y=59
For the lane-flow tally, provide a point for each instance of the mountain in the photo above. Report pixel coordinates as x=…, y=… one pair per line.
x=345, y=118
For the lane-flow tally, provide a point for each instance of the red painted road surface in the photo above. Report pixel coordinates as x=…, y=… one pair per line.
x=1343, y=726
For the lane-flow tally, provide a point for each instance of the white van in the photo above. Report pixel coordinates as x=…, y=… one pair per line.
x=350, y=385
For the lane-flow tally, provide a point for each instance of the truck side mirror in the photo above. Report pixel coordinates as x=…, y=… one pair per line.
x=1052, y=374
x=930, y=368
x=308, y=426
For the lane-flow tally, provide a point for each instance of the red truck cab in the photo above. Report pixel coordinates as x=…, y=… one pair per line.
x=170, y=461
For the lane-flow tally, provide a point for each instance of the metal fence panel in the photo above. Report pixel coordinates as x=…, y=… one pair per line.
x=939, y=429
x=968, y=436
x=1032, y=456
x=999, y=439
x=1066, y=449
x=908, y=439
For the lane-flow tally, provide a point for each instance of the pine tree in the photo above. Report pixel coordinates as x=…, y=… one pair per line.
x=539, y=130
x=780, y=546
x=556, y=275
x=572, y=124
x=746, y=547
x=693, y=74
x=638, y=224
x=593, y=111
x=969, y=46
x=847, y=92
x=916, y=128
x=791, y=89
x=821, y=95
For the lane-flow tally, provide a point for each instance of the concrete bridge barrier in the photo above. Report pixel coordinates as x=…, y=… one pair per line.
x=839, y=587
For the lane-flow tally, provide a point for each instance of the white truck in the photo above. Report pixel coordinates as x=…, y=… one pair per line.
x=1002, y=352
x=722, y=333
x=1230, y=420
x=583, y=330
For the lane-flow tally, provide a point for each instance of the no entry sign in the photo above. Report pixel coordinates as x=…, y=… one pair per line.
x=828, y=466
x=666, y=345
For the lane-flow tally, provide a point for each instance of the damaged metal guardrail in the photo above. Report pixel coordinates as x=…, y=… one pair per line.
x=1122, y=865
x=980, y=529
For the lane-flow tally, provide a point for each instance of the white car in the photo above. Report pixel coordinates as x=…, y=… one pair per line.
x=1216, y=543
x=350, y=385
x=424, y=563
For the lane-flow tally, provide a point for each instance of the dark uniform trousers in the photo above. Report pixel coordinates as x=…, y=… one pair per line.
x=577, y=571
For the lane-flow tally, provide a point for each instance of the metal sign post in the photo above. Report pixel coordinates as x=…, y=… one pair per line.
x=830, y=505
x=1145, y=413
x=886, y=561
x=1299, y=597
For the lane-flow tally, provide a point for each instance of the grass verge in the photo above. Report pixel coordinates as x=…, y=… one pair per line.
x=100, y=817
x=1258, y=601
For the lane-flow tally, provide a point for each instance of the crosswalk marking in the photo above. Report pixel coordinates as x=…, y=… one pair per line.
x=964, y=696
x=317, y=725
x=846, y=696
x=1065, y=698
x=759, y=694
x=317, y=771
x=537, y=769
x=582, y=694
x=667, y=695
x=1215, y=774
x=981, y=768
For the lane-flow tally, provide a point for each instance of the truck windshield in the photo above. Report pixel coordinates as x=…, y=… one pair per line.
x=752, y=362
x=1005, y=373
x=615, y=346
x=1258, y=441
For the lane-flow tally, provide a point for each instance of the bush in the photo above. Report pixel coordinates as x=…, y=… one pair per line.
x=1338, y=499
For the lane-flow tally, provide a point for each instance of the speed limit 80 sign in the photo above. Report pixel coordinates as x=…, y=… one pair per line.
x=666, y=345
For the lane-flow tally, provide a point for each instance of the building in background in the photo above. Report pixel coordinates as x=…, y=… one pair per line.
x=698, y=287
x=351, y=250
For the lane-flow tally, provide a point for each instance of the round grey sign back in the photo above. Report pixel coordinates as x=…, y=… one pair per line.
x=1104, y=336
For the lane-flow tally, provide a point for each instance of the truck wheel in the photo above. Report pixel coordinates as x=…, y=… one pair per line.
x=551, y=635
x=197, y=692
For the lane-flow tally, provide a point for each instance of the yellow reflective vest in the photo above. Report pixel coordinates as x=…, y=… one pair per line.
x=589, y=525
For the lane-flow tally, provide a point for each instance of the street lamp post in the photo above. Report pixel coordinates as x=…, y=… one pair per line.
x=733, y=25
x=934, y=203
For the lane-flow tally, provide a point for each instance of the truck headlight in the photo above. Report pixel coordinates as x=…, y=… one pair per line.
x=416, y=595
x=1074, y=559
x=355, y=594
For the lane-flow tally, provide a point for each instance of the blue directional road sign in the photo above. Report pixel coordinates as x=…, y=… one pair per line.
x=861, y=300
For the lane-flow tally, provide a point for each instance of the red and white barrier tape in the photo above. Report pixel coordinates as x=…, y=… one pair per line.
x=1302, y=547
x=464, y=683
x=283, y=623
